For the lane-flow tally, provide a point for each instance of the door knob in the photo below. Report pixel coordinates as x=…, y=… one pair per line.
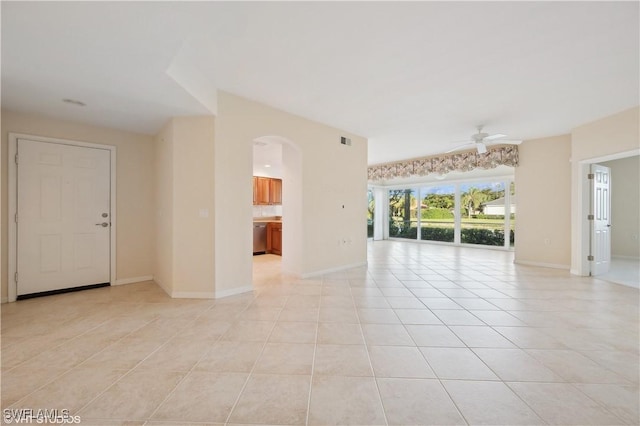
x=103, y=224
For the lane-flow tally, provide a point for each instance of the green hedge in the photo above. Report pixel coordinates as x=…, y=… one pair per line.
x=402, y=230
x=436, y=213
x=487, y=237
x=482, y=236
x=437, y=234
x=491, y=216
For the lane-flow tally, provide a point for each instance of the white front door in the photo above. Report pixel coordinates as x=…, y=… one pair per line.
x=601, y=224
x=64, y=216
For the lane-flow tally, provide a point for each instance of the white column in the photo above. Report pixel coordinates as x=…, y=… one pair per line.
x=381, y=214
x=456, y=215
x=507, y=213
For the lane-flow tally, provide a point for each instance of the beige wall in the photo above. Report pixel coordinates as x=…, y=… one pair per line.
x=609, y=135
x=185, y=197
x=332, y=176
x=601, y=140
x=625, y=206
x=163, y=267
x=135, y=196
x=543, y=187
x=193, y=207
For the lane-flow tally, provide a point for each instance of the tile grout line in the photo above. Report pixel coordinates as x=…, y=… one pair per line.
x=130, y=371
x=600, y=404
x=246, y=382
x=537, y=298
x=366, y=348
x=313, y=361
x=500, y=380
x=63, y=343
x=172, y=391
x=437, y=376
x=66, y=371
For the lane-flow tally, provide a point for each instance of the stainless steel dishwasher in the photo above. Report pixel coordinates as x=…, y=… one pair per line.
x=259, y=238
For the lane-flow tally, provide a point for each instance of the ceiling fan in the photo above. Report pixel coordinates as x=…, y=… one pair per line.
x=480, y=141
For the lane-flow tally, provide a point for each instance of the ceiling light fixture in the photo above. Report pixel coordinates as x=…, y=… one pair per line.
x=267, y=165
x=74, y=102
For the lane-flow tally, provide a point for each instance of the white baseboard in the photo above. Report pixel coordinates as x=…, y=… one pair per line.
x=193, y=295
x=132, y=280
x=331, y=270
x=4, y=300
x=233, y=291
x=542, y=264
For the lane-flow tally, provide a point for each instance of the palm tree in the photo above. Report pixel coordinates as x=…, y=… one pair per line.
x=472, y=199
x=407, y=205
x=370, y=205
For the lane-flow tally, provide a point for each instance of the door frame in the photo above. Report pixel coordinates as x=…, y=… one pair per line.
x=581, y=208
x=13, y=204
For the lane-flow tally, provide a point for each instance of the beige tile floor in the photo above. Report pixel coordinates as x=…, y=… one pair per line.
x=424, y=335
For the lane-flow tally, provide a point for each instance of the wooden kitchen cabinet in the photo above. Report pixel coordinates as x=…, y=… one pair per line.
x=275, y=191
x=267, y=191
x=274, y=238
x=261, y=190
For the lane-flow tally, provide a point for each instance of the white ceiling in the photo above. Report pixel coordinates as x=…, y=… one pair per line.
x=411, y=76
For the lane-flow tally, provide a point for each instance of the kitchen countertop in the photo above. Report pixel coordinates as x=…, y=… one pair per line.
x=266, y=220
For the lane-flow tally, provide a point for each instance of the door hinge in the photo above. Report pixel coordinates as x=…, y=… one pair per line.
x=590, y=176
x=590, y=258
x=590, y=217
x=15, y=277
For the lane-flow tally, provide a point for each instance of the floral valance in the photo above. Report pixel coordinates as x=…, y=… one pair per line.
x=443, y=164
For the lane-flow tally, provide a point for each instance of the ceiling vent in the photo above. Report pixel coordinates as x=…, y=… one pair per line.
x=345, y=141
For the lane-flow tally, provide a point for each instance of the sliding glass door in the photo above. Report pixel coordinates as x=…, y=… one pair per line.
x=371, y=206
x=403, y=213
x=483, y=207
x=481, y=213
x=437, y=209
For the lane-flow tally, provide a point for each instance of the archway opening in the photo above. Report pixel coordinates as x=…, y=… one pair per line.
x=276, y=158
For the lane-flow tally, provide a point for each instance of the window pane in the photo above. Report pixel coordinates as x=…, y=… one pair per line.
x=370, y=211
x=403, y=207
x=436, y=213
x=483, y=209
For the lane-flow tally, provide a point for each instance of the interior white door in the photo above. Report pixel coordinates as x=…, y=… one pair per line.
x=64, y=216
x=601, y=224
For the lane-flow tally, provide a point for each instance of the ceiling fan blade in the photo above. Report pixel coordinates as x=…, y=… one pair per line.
x=496, y=136
x=481, y=147
x=465, y=141
x=506, y=142
x=461, y=147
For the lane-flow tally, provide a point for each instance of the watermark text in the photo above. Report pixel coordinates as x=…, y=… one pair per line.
x=40, y=416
